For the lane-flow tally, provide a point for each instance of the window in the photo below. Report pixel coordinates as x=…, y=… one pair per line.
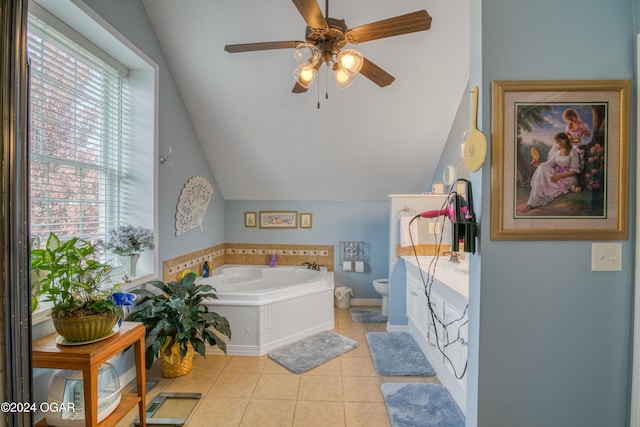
x=93, y=111
x=76, y=142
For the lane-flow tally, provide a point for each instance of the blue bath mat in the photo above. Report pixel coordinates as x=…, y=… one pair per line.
x=307, y=353
x=397, y=353
x=421, y=405
x=367, y=315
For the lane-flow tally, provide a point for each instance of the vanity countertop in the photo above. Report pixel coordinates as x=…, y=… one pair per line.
x=451, y=279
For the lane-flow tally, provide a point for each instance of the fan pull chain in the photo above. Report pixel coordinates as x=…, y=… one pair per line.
x=318, y=95
x=326, y=82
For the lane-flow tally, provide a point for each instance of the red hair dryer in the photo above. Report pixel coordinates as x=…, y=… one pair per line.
x=449, y=211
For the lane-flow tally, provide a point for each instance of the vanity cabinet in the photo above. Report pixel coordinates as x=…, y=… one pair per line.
x=443, y=335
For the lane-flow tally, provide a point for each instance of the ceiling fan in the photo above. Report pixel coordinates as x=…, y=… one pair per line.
x=325, y=39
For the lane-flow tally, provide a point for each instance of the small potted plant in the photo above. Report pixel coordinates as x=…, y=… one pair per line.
x=178, y=322
x=128, y=242
x=67, y=275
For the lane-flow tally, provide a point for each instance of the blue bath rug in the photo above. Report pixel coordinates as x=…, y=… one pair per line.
x=367, y=315
x=421, y=405
x=397, y=353
x=307, y=353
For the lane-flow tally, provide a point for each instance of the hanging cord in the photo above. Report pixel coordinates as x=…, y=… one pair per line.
x=326, y=82
x=428, y=283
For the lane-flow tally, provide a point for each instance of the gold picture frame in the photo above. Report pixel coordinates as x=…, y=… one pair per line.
x=278, y=219
x=250, y=219
x=306, y=220
x=528, y=120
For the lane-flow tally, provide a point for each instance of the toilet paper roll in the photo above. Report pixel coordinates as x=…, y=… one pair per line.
x=346, y=265
x=359, y=266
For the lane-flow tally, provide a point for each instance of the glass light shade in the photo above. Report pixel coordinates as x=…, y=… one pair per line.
x=306, y=52
x=341, y=78
x=305, y=74
x=351, y=61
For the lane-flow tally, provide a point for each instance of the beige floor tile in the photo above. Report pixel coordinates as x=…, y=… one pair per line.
x=271, y=367
x=246, y=364
x=362, y=350
x=275, y=386
x=327, y=388
x=362, y=389
x=208, y=368
x=186, y=384
x=357, y=334
x=358, y=367
x=376, y=327
x=366, y=415
x=269, y=413
x=319, y=414
x=249, y=391
x=234, y=385
x=218, y=412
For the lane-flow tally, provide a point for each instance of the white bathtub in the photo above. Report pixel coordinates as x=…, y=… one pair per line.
x=268, y=307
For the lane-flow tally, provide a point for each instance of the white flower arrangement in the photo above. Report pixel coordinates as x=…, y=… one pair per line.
x=129, y=240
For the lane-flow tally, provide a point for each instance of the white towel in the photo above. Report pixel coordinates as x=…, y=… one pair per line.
x=406, y=232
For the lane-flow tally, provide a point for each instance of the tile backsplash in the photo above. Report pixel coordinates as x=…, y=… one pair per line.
x=249, y=254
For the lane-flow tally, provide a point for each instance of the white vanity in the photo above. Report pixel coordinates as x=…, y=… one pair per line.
x=449, y=290
x=442, y=335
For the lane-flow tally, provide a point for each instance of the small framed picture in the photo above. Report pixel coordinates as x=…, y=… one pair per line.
x=250, y=219
x=278, y=219
x=305, y=220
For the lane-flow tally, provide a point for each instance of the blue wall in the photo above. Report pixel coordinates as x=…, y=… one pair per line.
x=333, y=222
x=554, y=337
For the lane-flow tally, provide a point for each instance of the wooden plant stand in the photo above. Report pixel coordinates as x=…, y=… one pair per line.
x=47, y=353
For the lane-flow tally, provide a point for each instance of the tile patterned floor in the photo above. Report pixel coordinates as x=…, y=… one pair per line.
x=250, y=391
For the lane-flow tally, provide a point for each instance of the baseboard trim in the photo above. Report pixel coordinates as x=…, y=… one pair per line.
x=366, y=301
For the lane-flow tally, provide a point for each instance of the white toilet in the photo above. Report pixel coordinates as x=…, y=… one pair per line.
x=382, y=287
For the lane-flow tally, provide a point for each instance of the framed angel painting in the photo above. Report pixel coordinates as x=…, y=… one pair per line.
x=560, y=160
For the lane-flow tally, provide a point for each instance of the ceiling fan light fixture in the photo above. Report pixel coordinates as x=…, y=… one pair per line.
x=306, y=52
x=341, y=78
x=305, y=74
x=351, y=61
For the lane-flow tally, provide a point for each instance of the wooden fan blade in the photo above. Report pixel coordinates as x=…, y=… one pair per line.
x=250, y=47
x=376, y=74
x=298, y=88
x=311, y=13
x=403, y=24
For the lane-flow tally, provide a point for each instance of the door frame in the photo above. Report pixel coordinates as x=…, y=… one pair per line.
x=634, y=420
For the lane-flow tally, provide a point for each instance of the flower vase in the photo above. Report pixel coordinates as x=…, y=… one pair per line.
x=129, y=264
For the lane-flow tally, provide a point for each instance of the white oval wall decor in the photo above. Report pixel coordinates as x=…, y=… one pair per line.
x=192, y=204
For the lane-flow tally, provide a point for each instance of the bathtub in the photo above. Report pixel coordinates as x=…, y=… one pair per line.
x=268, y=307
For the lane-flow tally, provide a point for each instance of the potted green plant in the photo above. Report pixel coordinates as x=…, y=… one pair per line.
x=178, y=322
x=67, y=275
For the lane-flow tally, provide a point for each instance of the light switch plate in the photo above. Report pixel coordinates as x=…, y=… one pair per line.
x=606, y=257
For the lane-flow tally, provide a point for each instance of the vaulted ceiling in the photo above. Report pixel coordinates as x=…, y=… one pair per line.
x=266, y=143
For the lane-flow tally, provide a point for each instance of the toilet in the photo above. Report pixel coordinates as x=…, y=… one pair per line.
x=382, y=287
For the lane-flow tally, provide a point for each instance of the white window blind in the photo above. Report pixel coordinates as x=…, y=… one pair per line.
x=76, y=137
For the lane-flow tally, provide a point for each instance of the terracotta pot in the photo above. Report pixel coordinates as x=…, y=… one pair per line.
x=89, y=328
x=173, y=366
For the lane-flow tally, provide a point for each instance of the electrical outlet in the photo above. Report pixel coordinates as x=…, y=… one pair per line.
x=606, y=257
x=433, y=229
